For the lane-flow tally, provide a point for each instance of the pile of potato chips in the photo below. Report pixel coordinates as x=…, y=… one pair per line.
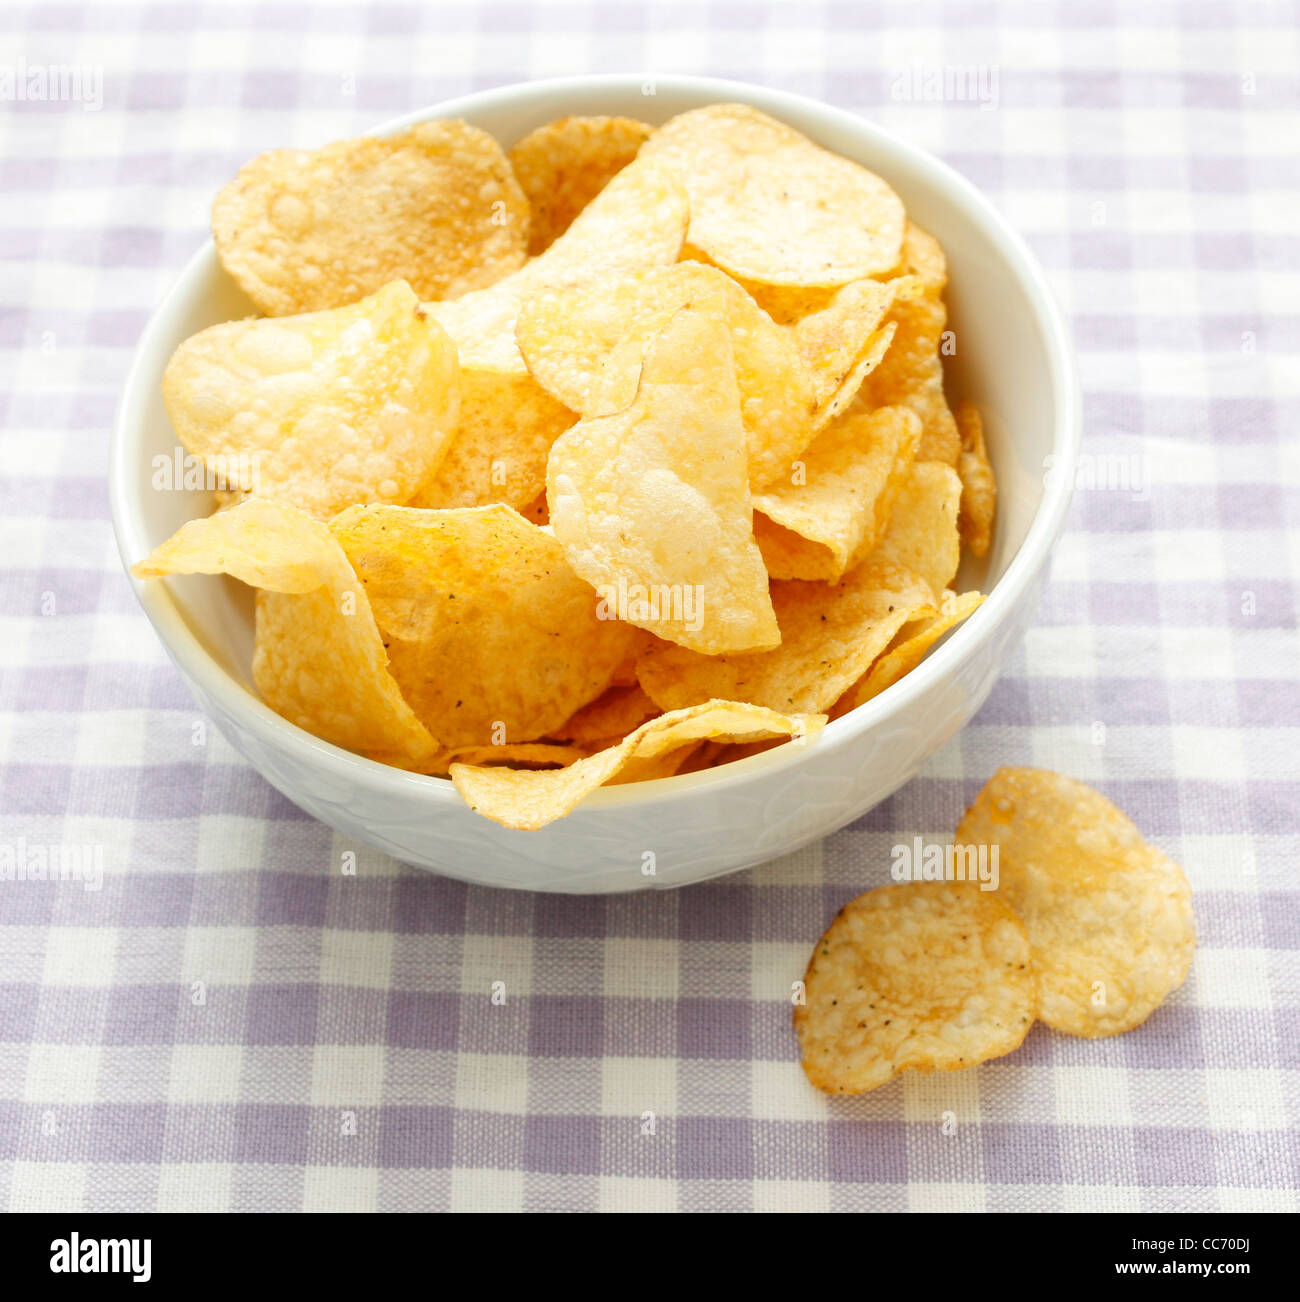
x=1087, y=928
x=620, y=455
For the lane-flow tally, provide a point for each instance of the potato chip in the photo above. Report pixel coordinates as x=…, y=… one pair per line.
x=567, y=334
x=563, y=165
x=918, y=637
x=723, y=752
x=830, y=634
x=787, y=305
x=638, y=220
x=769, y=205
x=319, y=660
x=492, y=638
x=320, y=411
x=979, y=490
x=921, y=976
x=609, y=718
x=922, y=256
x=837, y=506
x=498, y=452
x=436, y=205
x=625, y=674
x=652, y=503
x=535, y=512
x=1109, y=917
x=922, y=529
x=845, y=341
x=654, y=767
x=911, y=372
x=530, y=799
x=523, y=755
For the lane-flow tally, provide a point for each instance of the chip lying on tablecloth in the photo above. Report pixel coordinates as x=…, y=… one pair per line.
x=622, y=453
x=1048, y=906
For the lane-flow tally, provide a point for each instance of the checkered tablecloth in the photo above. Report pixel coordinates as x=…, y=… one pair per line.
x=231, y=1022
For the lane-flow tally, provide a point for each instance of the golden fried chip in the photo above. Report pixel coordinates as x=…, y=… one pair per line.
x=535, y=512
x=351, y=405
x=652, y=504
x=523, y=755
x=922, y=529
x=918, y=638
x=921, y=976
x=652, y=768
x=436, y=205
x=830, y=634
x=609, y=718
x=529, y=800
x=769, y=205
x=979, y=490
x=319, y=660
x=566, y=336
x=721, y=752
x=845, y=341
x=787, y=305
x=911, y=372
x=911, y=375
x=563, y=165
x=498, y=452
x=638, y=220
x=492, y=638
x=625, y=674
x=1109, y=917
x=922, y=256
x=836, y=507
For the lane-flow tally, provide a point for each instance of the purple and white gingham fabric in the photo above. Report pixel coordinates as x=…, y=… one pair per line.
x=231, y=1022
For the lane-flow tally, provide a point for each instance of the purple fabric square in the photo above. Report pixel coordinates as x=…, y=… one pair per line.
x=1173, y=1157
x=155, y=91
x=122, y=1132
x=565, y=916
x=721, y=911
x=713, y=1028
x=27, y=904
x=416, y=1136
x=142, y=1014
x=271, y=1133
x=176, y=792
x=292, y=899
x=1022, y=1154
x=284, y=1014
x=18, y=1008
x=869, y=1152
x=269, y=90
x=36, y=788
x=423, y=1020
x=568, y=1145
x=566, y=1026
x=157, y=901
x=710, y=1148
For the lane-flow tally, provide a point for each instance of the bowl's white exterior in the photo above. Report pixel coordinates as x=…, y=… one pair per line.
x=1013, y=356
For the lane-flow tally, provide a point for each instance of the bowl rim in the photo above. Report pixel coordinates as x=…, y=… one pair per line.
x=201, y=669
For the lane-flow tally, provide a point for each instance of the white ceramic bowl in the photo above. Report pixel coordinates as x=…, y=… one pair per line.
x=1013, y=358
